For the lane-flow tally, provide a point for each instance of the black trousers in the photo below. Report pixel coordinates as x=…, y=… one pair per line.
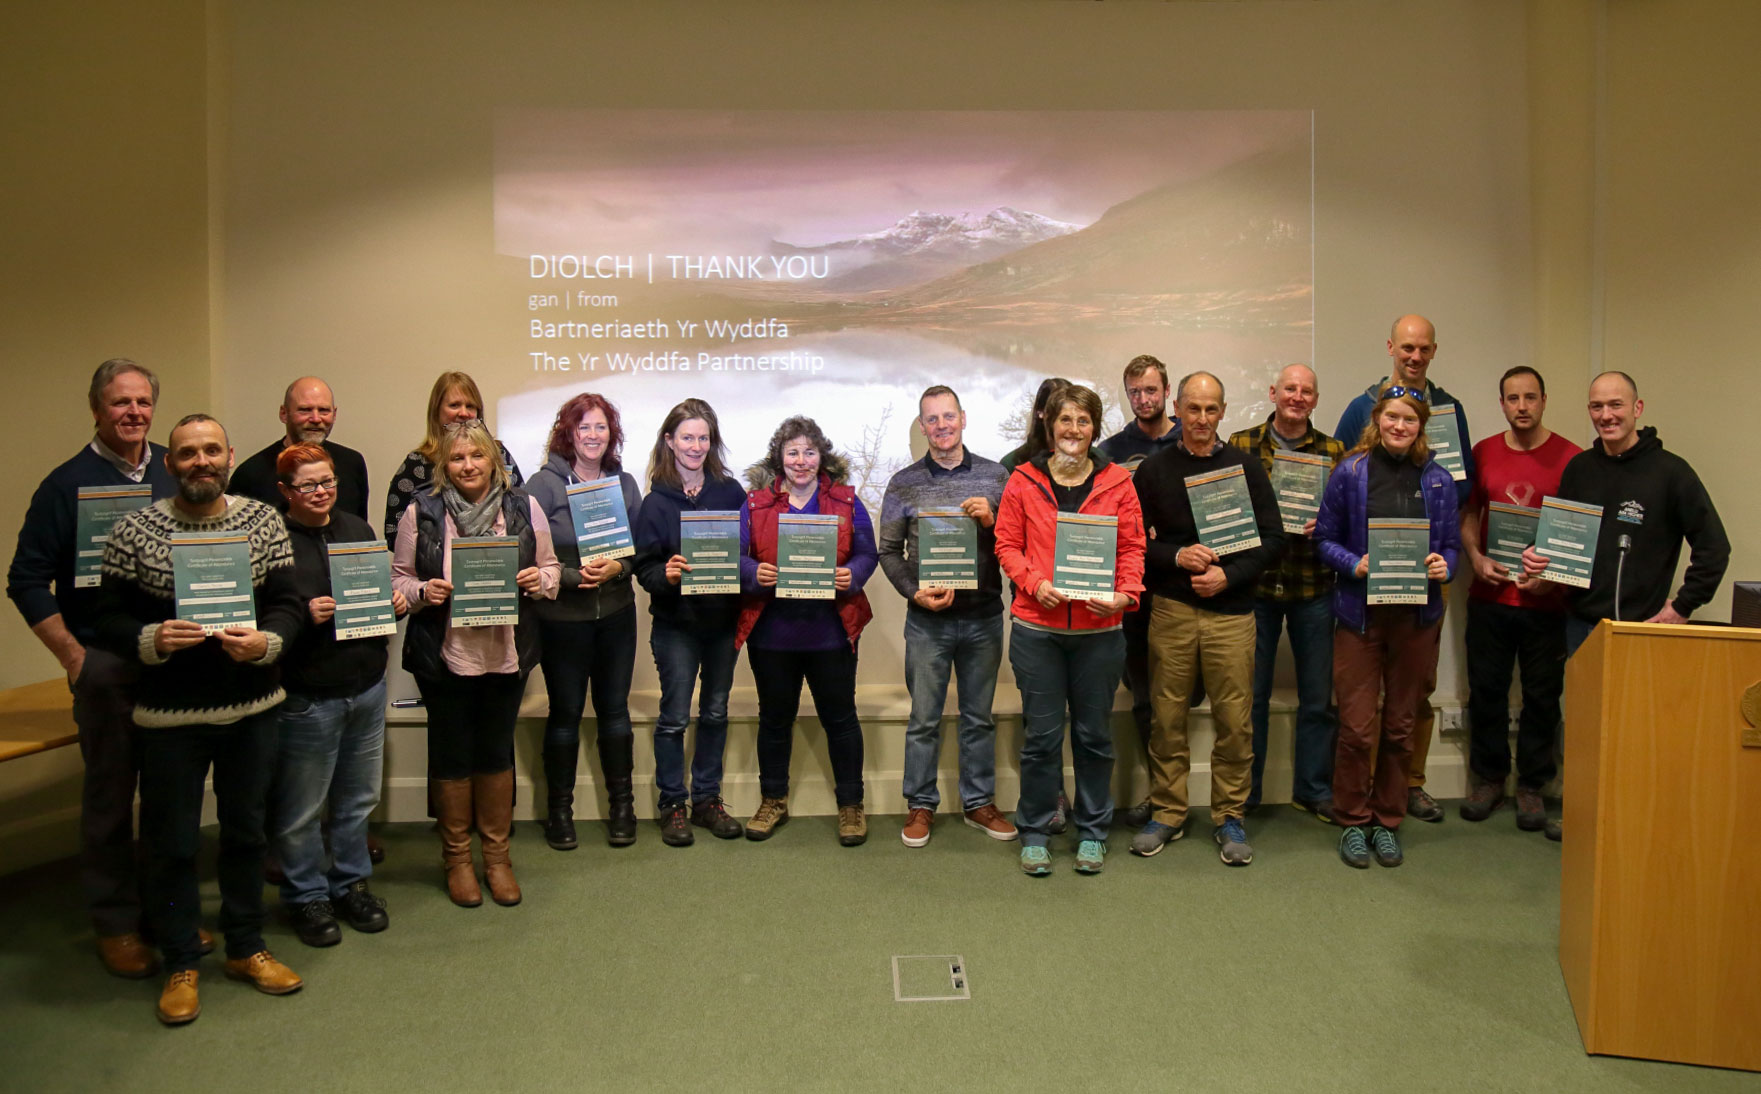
x=1501, y=638
x=831, y=675
x=109, y=867
x=471, y=722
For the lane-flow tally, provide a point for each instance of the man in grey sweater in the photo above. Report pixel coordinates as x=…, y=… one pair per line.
x=948, y=629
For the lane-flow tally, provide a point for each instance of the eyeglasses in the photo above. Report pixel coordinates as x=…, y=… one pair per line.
x=1397, y=391
x=313, y=487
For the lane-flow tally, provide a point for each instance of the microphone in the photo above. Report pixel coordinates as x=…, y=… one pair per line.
x=1625, y=543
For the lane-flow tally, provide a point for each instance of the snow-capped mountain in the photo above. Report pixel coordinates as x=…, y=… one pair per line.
x=925, y=245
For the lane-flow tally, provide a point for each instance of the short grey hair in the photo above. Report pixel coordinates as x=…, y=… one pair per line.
x=109, y=371
x=1180, y=391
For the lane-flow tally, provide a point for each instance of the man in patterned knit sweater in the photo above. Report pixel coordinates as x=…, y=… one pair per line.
x=202, y=701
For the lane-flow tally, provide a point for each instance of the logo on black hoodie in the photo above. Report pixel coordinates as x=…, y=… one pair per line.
x=1632, y=512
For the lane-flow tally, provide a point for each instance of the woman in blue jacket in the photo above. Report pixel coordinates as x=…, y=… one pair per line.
x=692, y=636
x=1386, y=651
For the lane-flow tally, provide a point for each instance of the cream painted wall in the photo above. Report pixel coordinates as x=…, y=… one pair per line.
x=105, y=246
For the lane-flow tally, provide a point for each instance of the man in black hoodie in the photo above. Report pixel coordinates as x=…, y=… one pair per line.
x=1650, y=498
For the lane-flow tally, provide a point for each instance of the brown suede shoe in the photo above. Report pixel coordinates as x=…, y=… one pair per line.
x=990, y=820
x=270, y=976
x=179, y=1003
x=852, y=826
x=125, y=955
x=452, y=801
x=772, y=814
x=917, y=825
x=492, y=797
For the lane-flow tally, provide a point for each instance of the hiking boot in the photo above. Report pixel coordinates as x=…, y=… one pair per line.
x=852, y=826
x=1036, y=861
x=1483, y=800
x=1555, y=829
x=1386, y=846
x=1354, y=848
x=916, y=832
x=1154, y=837
x=1060, y=815
x=990, y=820
x=1091, y=856
x=1531, y=811
x=1421, y=806
x=361, y=909
x=675, y=826
x=1138, y=815
x=772, y=814
x=315, y=923
x=1232, y=845
x=1322, y=808
x=710, y=813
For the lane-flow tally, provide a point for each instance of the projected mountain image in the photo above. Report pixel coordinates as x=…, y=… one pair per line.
x=924, y=245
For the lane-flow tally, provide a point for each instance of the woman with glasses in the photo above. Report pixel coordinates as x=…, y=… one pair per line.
x=588, y=633
x=1382, y=653
x=471, y=678
x=692, y=636
x=332, y=723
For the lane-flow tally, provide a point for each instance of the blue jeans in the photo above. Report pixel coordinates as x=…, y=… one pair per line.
x=1311, y=643
x=1059, y=670
x=330, y=749
x=682, y=656
x=936, y=644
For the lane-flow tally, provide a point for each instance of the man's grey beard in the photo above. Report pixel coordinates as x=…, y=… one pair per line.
x=203, y=491
x=1065, y=465
x=314, y=434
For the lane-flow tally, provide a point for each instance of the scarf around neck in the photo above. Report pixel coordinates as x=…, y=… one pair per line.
x=473, y=519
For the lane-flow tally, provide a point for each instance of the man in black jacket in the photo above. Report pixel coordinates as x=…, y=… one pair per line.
x=1202, y=616
x=308, y=412
x=1651, y=499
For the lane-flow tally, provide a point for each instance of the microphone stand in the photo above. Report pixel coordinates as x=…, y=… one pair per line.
x=1625, y=542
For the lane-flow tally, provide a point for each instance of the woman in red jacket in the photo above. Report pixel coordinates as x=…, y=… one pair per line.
x=1067, y=650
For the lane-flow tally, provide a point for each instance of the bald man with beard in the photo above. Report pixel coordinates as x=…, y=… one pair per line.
x=308, y=413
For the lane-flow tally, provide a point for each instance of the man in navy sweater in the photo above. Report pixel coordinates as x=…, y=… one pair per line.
x=60, y=606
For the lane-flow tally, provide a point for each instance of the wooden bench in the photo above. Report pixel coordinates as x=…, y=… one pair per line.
x=36, y=718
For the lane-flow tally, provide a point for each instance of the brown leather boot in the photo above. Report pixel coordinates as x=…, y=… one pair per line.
x=452, y=801
x=494, y=799
x=125, y=955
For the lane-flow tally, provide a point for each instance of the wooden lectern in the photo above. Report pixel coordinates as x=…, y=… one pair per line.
x=1660, y=888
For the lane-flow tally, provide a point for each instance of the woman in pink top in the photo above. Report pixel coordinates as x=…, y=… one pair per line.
x=471, y=678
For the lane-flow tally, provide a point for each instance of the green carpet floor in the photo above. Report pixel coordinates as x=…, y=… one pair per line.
x=767, y=967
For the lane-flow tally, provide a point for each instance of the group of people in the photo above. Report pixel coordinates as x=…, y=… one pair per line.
x=290, y=717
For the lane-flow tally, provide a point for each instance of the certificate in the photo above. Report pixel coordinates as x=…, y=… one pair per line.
x=1223, y=510
x=1509, y=530
x=1299, y=479
x=1083, y=558
x=807, y=556
x=1443, y=434
x=1398, y=547
x=212, y=573
x=484, y=593
x=1566, y=535
x=710, y=541
x=947, y=549
x=602, y=524
x=360, y=583
x=100, y=507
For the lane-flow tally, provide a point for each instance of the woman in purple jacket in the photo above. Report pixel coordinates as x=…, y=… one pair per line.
x=1384, y=651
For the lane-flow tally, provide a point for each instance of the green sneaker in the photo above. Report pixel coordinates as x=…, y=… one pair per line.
x=1354, y=848
x=1091, y=856
x=1386, y=846
x=1036, y=861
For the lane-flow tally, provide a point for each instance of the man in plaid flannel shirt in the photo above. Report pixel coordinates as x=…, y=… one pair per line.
x=1297, y=588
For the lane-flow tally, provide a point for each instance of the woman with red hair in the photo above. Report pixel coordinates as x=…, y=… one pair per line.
x=588, y=633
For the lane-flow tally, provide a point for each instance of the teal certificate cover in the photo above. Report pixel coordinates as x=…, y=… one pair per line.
x=1397, y=560
x=1299, y=479
x=947, y=549
x=212, y=571
x=484, y=593
x=710, y=541
x=1223, y=510
x=1566, y=535
x=1509, y=530
x=602, y=524
x=1443, y=434
x=360, y=583
x=100, y=507
x=807, y=556
x=1083, y=558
